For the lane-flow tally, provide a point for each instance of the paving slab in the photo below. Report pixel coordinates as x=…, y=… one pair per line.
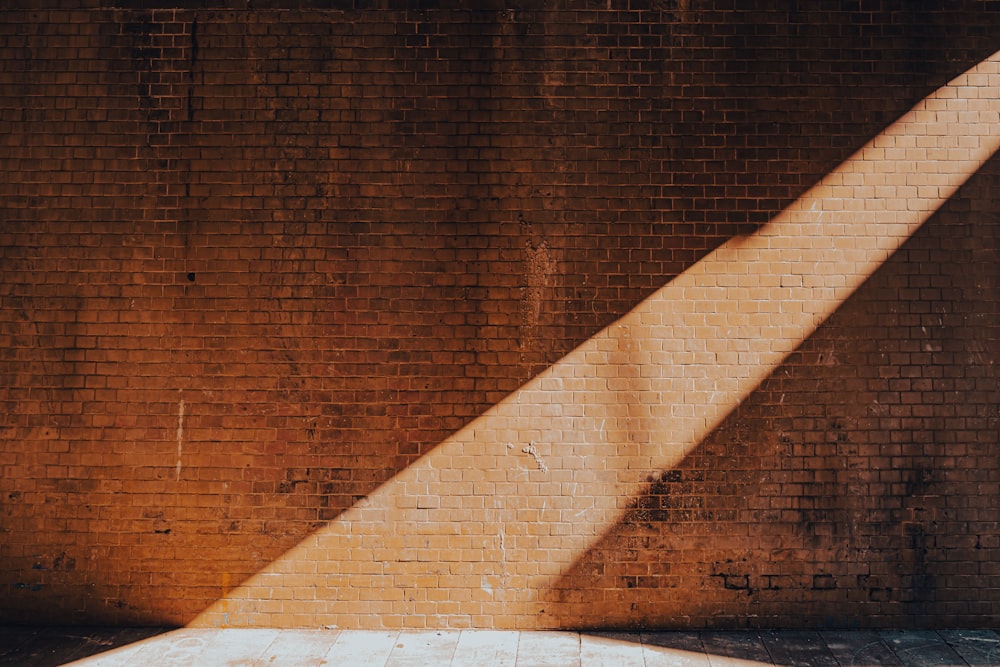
x=13, y=637
x=979, y=648
x=175, y=649
x=674, y=649
x=236, y=648
x=921, y=648
x=370, y=648
x=41, y=647
x=487, y=648
x=797, y=648
x=302, y=648
x=122, y=656
x=859, y=648
x=548, y=649
x=36, y=649
x=436, y=647
x=265, y=647
x=612, y=650
x=735, y=649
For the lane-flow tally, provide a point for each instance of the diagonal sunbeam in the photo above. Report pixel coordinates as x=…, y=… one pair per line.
x=473, y=531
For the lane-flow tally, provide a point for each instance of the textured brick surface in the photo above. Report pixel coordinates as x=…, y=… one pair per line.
x=255, y=263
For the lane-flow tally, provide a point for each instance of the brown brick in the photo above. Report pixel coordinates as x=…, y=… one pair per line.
x=257, y=262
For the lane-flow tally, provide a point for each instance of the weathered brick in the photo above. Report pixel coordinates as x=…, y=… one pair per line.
x=257, y=262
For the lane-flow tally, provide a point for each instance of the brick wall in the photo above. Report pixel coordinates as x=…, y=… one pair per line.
x=255, y=263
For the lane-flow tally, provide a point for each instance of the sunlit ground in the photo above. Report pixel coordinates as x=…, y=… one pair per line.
x=479, y=648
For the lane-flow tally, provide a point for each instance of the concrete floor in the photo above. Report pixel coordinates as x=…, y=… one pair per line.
x=120, y=647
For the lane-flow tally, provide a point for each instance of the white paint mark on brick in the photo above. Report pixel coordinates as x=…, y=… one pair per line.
x=180, y=436
x=530, y=450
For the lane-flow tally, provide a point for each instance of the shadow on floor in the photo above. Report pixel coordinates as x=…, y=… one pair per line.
x=45, y=646
x=27, y=646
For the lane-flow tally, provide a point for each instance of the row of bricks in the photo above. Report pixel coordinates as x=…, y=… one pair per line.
x=463, y=540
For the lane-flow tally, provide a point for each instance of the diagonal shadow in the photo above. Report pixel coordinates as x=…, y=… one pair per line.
x=291, y=409
x=827, y=498
x=498, y=512
x=301, y=381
